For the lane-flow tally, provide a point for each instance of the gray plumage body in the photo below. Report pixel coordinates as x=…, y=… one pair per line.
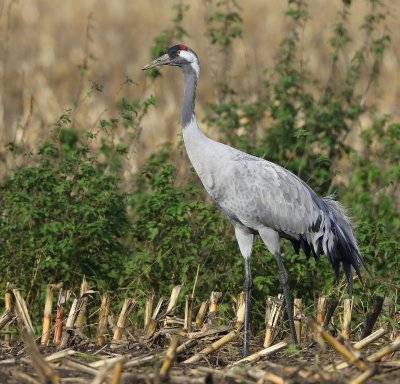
x=262, y=198
x=255, y=194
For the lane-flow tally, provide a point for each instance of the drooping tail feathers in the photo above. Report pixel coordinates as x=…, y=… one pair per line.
x=339, y=243
x=332, y=235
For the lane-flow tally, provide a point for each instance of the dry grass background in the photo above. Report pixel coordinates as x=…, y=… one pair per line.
x=43, y=42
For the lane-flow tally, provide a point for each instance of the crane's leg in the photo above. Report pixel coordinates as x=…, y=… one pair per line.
x=245, y=240
x=248, y=283
x=272, y=241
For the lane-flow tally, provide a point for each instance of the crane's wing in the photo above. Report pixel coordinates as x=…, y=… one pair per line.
x=257, y=193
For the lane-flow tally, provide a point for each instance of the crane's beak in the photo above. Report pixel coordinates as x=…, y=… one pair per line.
x=162, y=60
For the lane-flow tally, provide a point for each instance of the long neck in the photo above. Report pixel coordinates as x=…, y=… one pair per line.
x=196, y=142
x=189, y=95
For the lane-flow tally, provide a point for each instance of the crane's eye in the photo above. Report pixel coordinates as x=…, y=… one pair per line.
x=178, y=52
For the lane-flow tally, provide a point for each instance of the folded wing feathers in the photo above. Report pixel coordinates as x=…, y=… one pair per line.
x=336, y=239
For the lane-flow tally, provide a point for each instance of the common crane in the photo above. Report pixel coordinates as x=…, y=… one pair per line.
x=262, y=198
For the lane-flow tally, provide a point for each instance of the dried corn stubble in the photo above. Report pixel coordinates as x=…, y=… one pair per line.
x=148, y=309
x=22, y=311
x=43, y=369
x=8, y=307
x=47, y=315
x=103, y=316
x=84, y=295
x=123, y=318
x=263, y=353
x=240, y=311
x=346, y=322
x=297, y=313
x=6, y=318
x=202, y=313
x=152, y=324
x=215, y=301
x=188, y=314
x=173, y=303
x=359, y=345
x=273, y=311
x=63, y=298
x=170, y=356
x=321, y=310
x=350, y=356
x=69, y=325
x=222, y=341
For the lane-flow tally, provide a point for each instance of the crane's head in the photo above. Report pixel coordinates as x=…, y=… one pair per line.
x=178, y=55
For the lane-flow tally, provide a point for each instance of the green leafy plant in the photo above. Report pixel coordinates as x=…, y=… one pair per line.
x=61, y=219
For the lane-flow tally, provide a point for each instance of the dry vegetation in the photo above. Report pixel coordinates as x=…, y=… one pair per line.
x=45, y=44
x=99, y=346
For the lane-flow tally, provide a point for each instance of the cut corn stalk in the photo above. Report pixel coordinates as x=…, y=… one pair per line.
x=263, y=353
x=359, y=345
x=297, y=318
x=263, y=376
x=148, y=309
x=201, y=315
x=109, y=363
x=48, y=312
x=173, y=302
x=213, y=347
x=63, y=297
x=77, y=365
x=138, y=361
x=126, y=310
x=47, y=315
x=187, y=345
x=43, y=369
x=346, y=323
x=215, y=301
x=343, y=350
x=116, y=378
x=69, y=325
x=80, y=321
x=388, y=349
x=6, y=318
x=364, y=376
x=370, y=339
x=152, y=324
x=8, y=307
x=321, y=310
x=273, y=312
x=103, y=316
x=188, y=314
x=170, y=356
x=223, y=340
x=22, y=312
x=240, y=311
x=60, y=355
